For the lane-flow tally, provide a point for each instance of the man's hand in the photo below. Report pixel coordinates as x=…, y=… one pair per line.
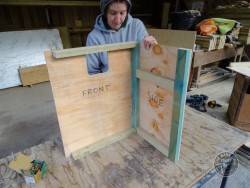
x=149, y=41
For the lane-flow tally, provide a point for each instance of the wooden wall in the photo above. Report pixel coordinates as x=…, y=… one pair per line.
x=78, y=17
x=79, y=20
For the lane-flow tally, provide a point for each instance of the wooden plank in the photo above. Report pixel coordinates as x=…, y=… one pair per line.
x=240, y=64
x=34, y=75
x=91, y=107
x=155, y=79
x=242, y=70
x=26, y=17
x=165, y=13
x=102, y=143
x=65, y=37
x=48, y=3
x=180, y=88
x=92, y=49
x=135, y=86
x=153, y=141
x=174, y=37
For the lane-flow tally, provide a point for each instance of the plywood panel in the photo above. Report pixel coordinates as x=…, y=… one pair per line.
x=156, y=103
x=177, y=38
x=91, y=107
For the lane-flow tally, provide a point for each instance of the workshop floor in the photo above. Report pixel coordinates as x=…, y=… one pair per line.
x=28, y=118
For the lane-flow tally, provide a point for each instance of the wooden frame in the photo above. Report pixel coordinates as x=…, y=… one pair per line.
x=174, y=61
x=178, y=86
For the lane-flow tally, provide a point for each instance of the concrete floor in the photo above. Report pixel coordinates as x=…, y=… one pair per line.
x=28, y=118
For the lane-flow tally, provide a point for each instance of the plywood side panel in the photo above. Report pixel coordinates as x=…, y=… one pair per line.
x=162, y=107
x=91, y=107
x=156, y=103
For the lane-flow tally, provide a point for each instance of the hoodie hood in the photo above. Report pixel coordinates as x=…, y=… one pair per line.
x=102, y=26
x=105, y=3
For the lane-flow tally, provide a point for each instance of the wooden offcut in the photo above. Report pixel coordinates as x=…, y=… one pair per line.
x=34, y=75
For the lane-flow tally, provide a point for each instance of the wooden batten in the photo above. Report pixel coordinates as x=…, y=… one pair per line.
x=92, y=49
x=78, y=154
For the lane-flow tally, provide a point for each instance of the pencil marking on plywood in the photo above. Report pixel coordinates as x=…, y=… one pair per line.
x=155, y=100
x=96, y=90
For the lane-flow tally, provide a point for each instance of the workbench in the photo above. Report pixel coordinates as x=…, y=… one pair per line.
x=133, y=162
x=201, y=58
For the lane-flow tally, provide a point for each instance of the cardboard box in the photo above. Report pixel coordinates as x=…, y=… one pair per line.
x=32, y=170
x=238, y=109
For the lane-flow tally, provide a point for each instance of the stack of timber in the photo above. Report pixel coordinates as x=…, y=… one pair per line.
x=244, y=35
x=220, y=42
x=236, y=31
x=241, y=15
x=211, y=42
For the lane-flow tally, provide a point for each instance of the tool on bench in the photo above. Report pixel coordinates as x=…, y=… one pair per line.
x=213, y=104
x=197, y=102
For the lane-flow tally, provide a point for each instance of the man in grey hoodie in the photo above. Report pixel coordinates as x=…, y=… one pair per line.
x=114, y=25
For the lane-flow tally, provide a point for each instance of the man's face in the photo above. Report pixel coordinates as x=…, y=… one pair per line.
x=116, y=15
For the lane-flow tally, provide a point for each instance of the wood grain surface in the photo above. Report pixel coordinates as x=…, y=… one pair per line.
x=156, y=103
x=133, y=162
x=91, y=107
